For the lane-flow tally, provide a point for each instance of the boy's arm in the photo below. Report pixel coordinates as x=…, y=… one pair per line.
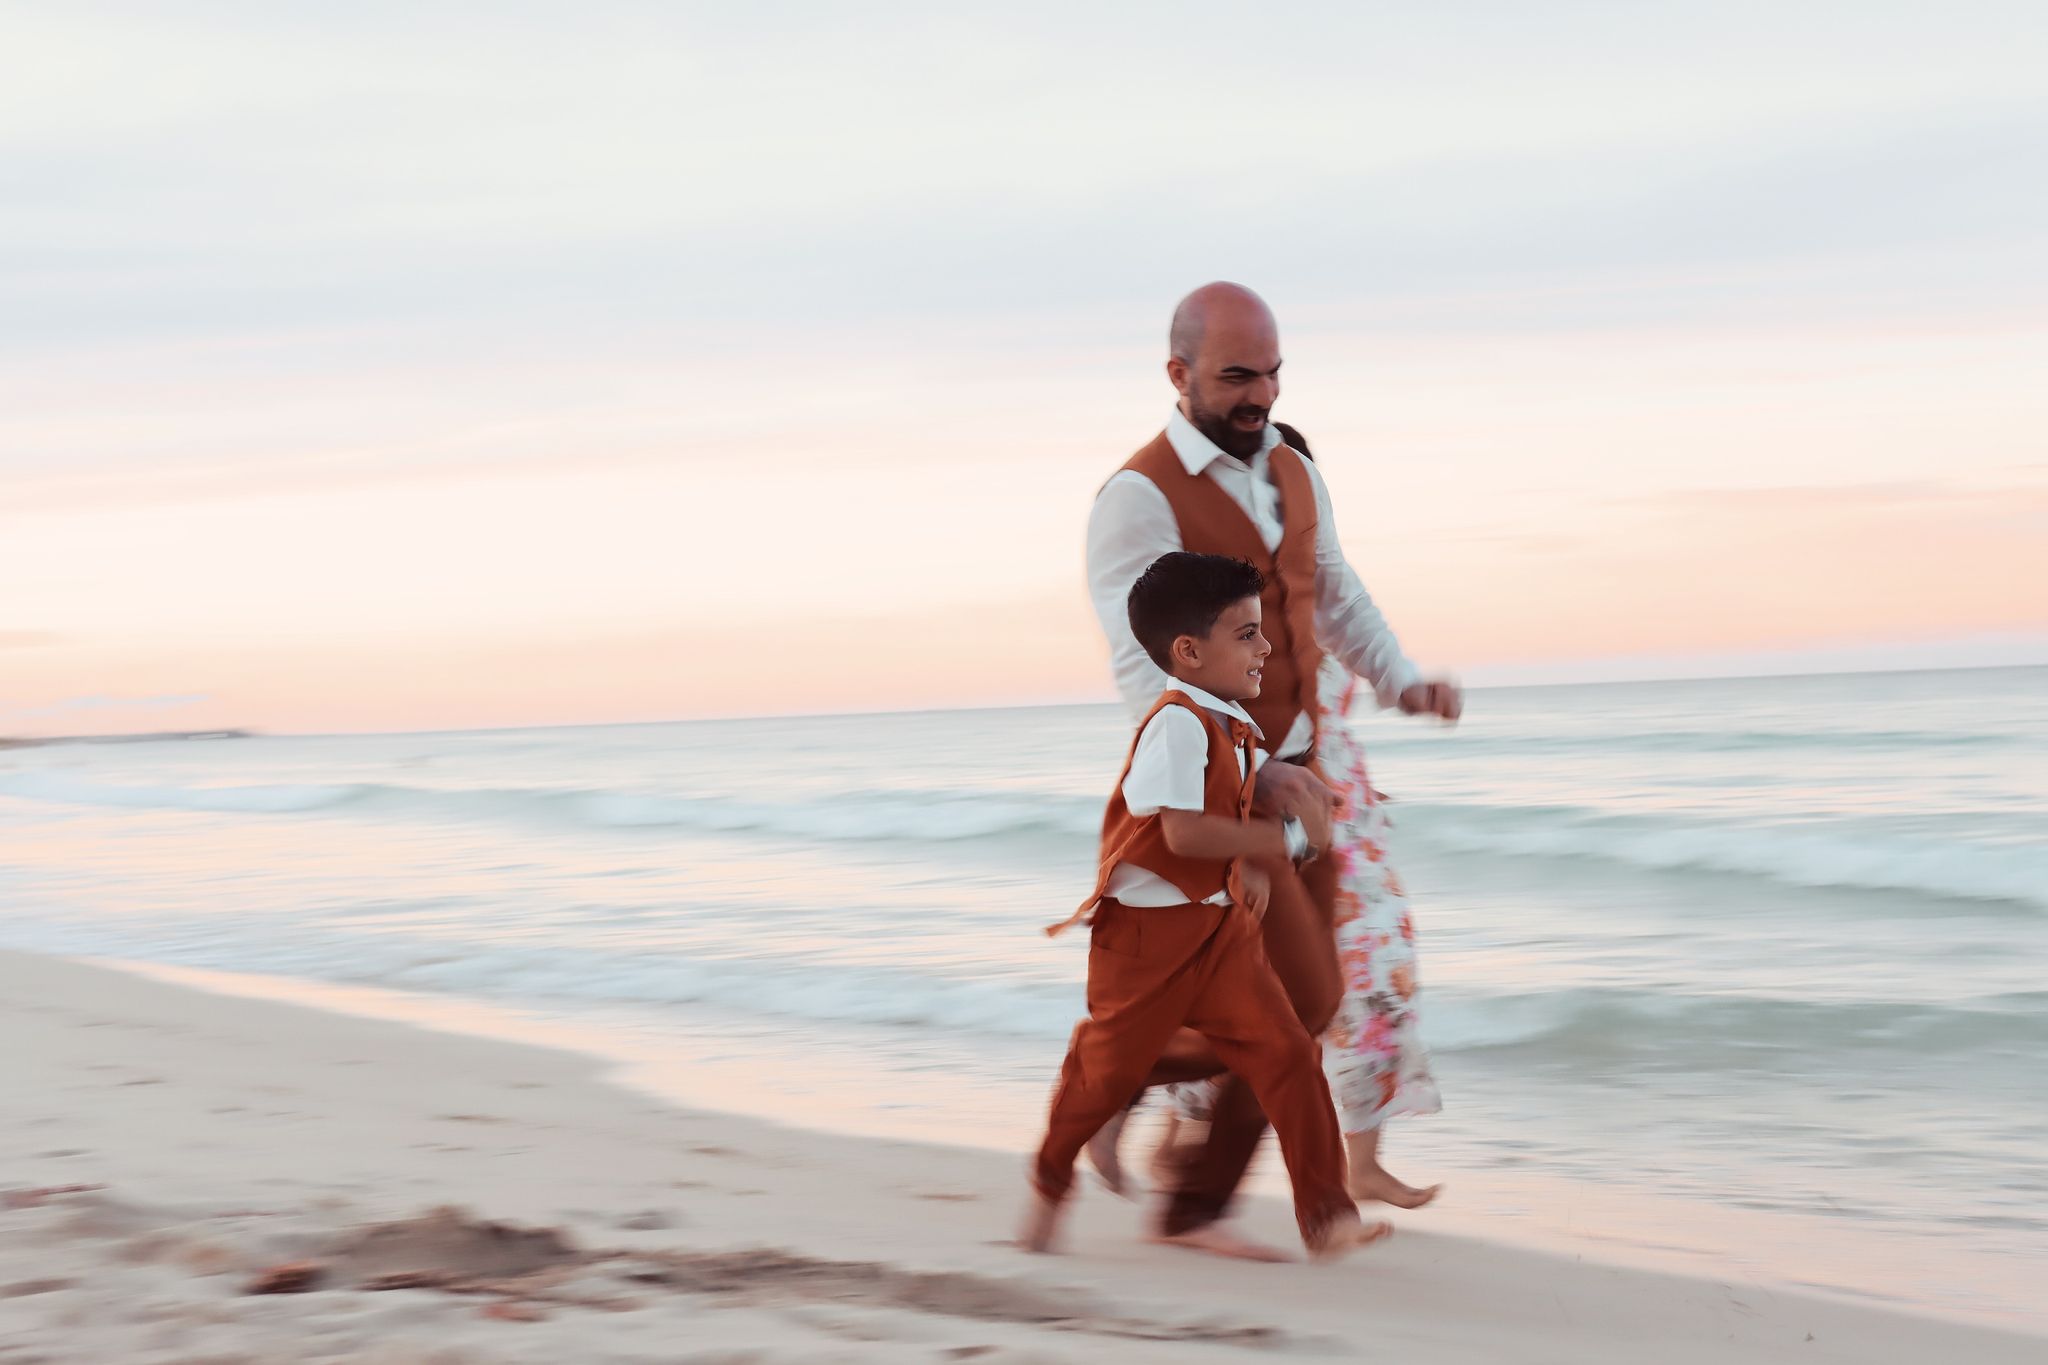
x=1166, y=779
x=1219, y=838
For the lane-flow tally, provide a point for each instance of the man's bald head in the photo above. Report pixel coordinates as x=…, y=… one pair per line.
x=1224, y=359
x=1231, y=306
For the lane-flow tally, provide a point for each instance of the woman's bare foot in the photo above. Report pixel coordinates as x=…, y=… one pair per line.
x=1376, y=1186
x=1102, y=1154
x=1041, y=1222
x=1214, y=1239
x=1372, y=1183
x=1348, y=1235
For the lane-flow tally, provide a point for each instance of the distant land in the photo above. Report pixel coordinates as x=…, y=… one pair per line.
x=6, y=743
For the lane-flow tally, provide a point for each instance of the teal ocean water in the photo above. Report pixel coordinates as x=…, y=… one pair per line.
x=1777, y=945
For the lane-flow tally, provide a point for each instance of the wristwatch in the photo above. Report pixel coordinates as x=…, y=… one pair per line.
x=1298, y=849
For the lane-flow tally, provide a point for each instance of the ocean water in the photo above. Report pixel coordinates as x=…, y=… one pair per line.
x=1771, y=947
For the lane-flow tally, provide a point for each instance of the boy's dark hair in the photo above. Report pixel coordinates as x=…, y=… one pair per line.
x=1183, y=594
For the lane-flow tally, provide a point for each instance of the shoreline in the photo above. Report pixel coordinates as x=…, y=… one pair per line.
x=1509, y=1205
x=191, y=1105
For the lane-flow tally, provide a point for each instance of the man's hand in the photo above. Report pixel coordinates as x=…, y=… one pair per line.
x=1257, y=887
x=1442, y=699
x=1286, y=789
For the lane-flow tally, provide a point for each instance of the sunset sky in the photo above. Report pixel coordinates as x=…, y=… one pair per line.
x=394, y=366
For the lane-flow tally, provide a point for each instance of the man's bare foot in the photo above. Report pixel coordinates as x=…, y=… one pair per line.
x=1216, y=1240
x=1041, y=1222
x=1347, y=1236
x=1102, y=1154
x=1163, y=1155
x=1179, y=1143
x=1378, y=1187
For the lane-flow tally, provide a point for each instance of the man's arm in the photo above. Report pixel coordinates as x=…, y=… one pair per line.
x=1352, y=628
x=1349, y=625
x=1130, y=525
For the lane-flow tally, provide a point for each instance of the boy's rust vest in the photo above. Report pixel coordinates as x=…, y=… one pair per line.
x=1140, y=840
x=1212, y=523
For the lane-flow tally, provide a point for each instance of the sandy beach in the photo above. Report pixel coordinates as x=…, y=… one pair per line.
x=168, y=1149
x=592, y=577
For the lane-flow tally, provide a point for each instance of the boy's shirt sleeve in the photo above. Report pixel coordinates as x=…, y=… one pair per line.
x=1170, y=769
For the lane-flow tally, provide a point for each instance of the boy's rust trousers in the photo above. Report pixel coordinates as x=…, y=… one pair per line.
x=1153, y=971
x=1301, y=946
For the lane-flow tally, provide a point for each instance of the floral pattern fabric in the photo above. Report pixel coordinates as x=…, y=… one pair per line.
x=1373, y=1054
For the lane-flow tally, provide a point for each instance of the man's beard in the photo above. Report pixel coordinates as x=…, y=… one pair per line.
x=1231, y=440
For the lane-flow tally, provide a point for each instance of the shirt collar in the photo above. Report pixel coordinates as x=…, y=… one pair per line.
x=1211, y=702
x=1197, y=452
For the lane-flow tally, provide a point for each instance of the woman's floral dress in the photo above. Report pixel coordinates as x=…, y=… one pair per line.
x=1373, y=1053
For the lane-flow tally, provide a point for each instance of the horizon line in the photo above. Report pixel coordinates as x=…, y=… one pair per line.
x=237, y=731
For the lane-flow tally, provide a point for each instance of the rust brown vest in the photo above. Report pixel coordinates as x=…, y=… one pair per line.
x=1211, y=523
x=1140, y=840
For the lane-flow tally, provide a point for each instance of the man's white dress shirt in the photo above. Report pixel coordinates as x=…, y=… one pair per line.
x=1132, y=524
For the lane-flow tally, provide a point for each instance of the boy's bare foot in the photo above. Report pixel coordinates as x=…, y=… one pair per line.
x=1378, y=1187
x=1216, y=1240
x=1102, y=1154
x=1041, y=1223
x=1348, y=1235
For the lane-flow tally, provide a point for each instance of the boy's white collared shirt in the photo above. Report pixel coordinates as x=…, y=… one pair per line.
x=1169, y=771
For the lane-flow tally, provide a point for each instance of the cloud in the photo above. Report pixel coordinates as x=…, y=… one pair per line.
x=2008, y=649
x=1733, y=571
x=1518, y=539
x=1895, y=493
x=94, y=703
x=99, y=702
x=306, y=174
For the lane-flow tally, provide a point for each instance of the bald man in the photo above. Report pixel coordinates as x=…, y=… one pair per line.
x=1223, y=478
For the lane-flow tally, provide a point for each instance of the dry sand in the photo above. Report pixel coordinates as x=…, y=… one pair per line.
x=426, y=1197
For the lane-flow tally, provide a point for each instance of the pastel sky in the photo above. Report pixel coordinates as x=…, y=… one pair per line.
x=394, y=365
